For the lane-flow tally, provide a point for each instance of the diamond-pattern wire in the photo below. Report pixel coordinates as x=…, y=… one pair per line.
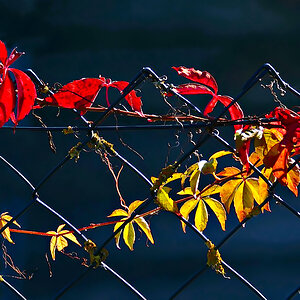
x=147, y=73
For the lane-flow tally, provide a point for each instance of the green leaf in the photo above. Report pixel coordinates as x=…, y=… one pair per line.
x=218, y=209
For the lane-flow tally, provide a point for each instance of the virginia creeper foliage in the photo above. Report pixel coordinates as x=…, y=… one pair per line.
x=268, y=147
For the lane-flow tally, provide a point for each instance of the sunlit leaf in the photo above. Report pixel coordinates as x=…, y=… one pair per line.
x=117, y=236
x=194, y=181
x=229, y=171
x=134, y=205
x=220, y=154
x=293, y=179
x=227, y=192
x=4, y=219
x=118, y=213
x=218, y=209
x=186, y=209
x=201, y=216
x=59, y=241
x=164, y=201
x=243, y=201
x=129, y=235
x=141, y=222
x=215, y=189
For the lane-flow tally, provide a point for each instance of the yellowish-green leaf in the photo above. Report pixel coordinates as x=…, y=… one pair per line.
x=129, y=235
x=215, y=189
x=210, y=167
x=142, y=223
x=188, y=172
x=117, y=236
x=201, y=216
x=220, y=153
x=164, y=201
x=228, y=191
x=175, y=176
x=194, y=181
x=186, y=209
x=218, y=209
x=186, y=191
x=118, y=213
x=133, y=206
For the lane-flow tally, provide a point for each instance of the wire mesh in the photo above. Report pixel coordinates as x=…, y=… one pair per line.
x=208, y=131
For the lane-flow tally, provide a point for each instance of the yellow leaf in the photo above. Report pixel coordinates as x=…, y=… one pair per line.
x=69, y=236
x=218, y=209
x=255, y=159
x=215, y=189
x=118, y=213
x=186, y=191
x=175, y=176
x=117, y=236
x=129, y=235
x=243, y=201
x=220, y=153
x=201, y=216
x=4, y=218
x=145, y=227
x=194, y=181
x=188, y=172
x=263, y=187
x=133, y=206
x=164, y=201
x=228, y=191
x=53, y=246
x=153, y=179
x=61, y=243
x=186, y=209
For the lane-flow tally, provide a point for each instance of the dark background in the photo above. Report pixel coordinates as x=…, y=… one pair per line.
x=67, y=40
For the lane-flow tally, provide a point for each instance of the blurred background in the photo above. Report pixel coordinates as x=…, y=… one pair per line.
x=67, y=40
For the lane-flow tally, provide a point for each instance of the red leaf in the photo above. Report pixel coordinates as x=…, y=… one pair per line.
x=14, y=55
x=7, y=100
x=202, y=77
x=235, y=110
x=77, y=94
x=26, y=94
x=191, y=89
x=3, y=53
x=133, y=100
